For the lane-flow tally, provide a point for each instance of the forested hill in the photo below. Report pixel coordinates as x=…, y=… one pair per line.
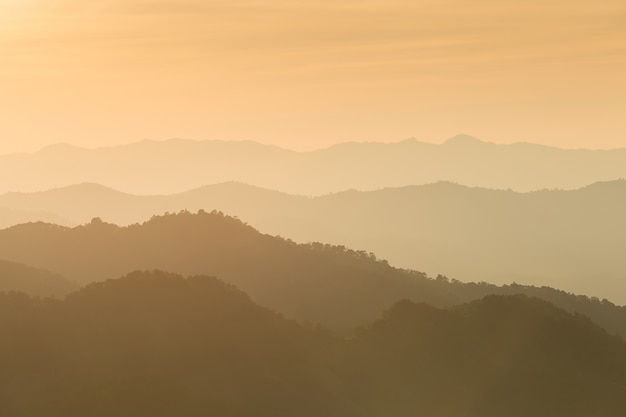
x=156, y=344
x=316, y=282
x=565, y=239
x=497, y=356
x=335, y=286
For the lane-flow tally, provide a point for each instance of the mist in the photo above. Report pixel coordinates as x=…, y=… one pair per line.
x=344, y=208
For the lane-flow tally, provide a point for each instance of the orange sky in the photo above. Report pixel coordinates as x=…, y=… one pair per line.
x=306, y=74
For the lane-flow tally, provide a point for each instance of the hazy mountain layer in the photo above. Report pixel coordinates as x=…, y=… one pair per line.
x=10, y=217
x=315, y=282
x=151, y=167
x=155, y=344
x=571, y=240
x=333, y=285
x=32, y=281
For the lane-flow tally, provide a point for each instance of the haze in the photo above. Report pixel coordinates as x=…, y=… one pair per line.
x=305, y=75
x=312, y=208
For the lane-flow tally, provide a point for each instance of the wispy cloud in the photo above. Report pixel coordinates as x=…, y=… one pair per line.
x=484, y=51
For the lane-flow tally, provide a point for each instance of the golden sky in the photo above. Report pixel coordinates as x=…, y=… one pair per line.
x=306, y=74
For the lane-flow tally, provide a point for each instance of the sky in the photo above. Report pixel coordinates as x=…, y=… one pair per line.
x=307, y=74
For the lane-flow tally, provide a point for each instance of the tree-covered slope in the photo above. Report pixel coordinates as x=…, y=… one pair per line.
x=497, y=356
x=333, y=285
x=156, y=344
x=570, y=240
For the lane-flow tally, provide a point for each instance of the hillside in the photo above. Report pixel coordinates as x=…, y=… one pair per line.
x=156, y=344
x=333, y=285
x=498, y=356
x=310, y=282
x=571, y=240
x=139, y=167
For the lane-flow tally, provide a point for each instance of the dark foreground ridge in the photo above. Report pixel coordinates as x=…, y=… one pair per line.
x=331, y=285
x=156, y=344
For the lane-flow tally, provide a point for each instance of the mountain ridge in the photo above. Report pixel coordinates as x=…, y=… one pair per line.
x=321, y=283
x=155, y=343
x=460, y=138
x=139, y=167
x=440, y=228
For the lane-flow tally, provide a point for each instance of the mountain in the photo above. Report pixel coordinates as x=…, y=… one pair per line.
x=11, y=217
x=498, y=356
x=566, y=239
x=321, y=283
x=313, y=282
x=163, y=167
x=33, y=281
x=81, y=202
x=156, y=344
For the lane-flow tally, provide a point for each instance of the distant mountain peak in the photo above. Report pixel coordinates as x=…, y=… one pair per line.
x=463, y=140
x=61, y=148
x=86, y=188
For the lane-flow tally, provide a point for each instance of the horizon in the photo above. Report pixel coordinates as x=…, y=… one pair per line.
x=246, y=185
x=95, y=147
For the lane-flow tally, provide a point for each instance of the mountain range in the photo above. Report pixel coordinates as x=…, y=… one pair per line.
x=11, y=217
x=15, y=277
x=157, y=344
x=570, y=240
x=268, y=326
x=337, y=287
x=163, y=167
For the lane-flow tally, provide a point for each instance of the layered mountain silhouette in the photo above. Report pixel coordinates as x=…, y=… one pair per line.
x=156, y=344
x=11, y=217
x=498, y=356
x=15, y=277
x=321, y=283
x=153, y=167
x=571, y=240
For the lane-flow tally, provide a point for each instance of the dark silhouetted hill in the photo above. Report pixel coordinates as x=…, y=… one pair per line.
x=140, y=167
x=333, y=285
x=156, y=344
x=32, y=281
x=498, y=356
x=571, y=240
